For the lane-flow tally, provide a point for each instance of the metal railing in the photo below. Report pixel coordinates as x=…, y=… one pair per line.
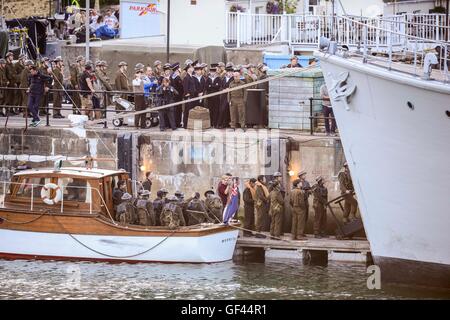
x=306, y=30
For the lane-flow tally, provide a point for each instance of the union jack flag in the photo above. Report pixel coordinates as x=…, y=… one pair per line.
x=232, y=203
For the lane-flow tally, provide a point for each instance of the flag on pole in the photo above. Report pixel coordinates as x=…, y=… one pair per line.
x=232, y=203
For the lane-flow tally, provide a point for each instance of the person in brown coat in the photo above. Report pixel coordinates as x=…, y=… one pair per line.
x=249, y=195
x=276, y=210
x=58, y=80
x=24, y=82
x=11, y=83
x=297, y=201
x=347, y=189
x=262, y=219
x=320, y=210
x=121, y=82
x=18, y=68
x=3, y=83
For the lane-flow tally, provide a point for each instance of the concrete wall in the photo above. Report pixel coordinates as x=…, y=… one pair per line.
x=25, y=8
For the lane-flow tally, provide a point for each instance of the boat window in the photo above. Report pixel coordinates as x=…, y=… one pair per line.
x=75, y=189
x=31, y=183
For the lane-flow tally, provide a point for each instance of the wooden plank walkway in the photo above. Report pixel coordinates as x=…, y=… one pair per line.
x=323, y=244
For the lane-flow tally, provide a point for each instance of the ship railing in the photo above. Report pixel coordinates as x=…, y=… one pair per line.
x=69, y=196
x=415, y=50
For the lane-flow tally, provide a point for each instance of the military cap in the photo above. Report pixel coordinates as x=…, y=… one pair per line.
x=79, y=58
x=139, y=66
x=126, y=196
x=301, y=173
x=203, y=65
x=319, y=178
x=198, y=67
x=164, y=190
x=229, y=64
x=188, y=62
x=175, y=66
x=22, y=56
x=277, y=174
x=207, y=192
x=229, y=69
x=29, y=62
x=296, y=182
x=145, y=193
x=194, y=63
x=157, y=63
x=214, y=65
x=2, y=61
x=167, y=66
x=9, y=54
x=221, y=64
x=122, y=63
x=172, y=198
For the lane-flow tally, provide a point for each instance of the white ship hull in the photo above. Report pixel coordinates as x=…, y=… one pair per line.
x=400, y=164
x=216, y=247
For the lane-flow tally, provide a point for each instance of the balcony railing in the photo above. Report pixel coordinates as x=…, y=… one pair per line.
x=306, y=30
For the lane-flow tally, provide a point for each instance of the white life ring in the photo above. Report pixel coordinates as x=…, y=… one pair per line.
x=45, y=194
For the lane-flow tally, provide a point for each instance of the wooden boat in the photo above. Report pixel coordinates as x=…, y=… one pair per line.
x=67, y=214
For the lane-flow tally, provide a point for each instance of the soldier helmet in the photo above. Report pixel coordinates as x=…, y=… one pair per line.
x=122, y=63
x=126, y=196
x=277, y=174
x=178, y=193
x=167, y=66
x=2, y=61
x=89, y=62
x=157, y=63
x=145, y=193
x=139, y=66
x=221, y=64
x=196, y=195
x=319, y=178
x=164, y=190
x=45, y=59
x=208, y=192
x=296, y=182
x=29, y=62
x=172, y=198
x=98, y=63
x=9, y=54
x=22, y=56
x=301, y=173
x=104, y=63
x=79, y=58
x=57, y=59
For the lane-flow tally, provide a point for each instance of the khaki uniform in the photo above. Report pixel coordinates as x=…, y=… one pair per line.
x=19, y=67
x=214, y=206
x=298, y=203
x=122, y=84
x=145, y=213
x=11, y=77
x=24, y=84
x=57, y=95
x=262, y=203
x=3, y=82
x=276, y=212
x=44, y=99
x=75, y=96
x=350, y=203
x=126, y=213
x=320, y=211
x=172, y=216
x=237, y=105
x=197, y=213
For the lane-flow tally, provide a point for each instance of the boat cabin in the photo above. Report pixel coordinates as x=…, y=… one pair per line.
x=67, y=190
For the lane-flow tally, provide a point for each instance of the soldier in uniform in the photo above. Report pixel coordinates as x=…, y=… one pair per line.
x=306, y=188
x=320, y=211
x=237, y=102
x=58, y=79
x=248, y=196
x=221, y=70
x=276, y=210
x=213, y=84
x=214, y=206
x=121, y=82
x=11, y=80
x=177, y=83
x=189, y=91
x=3, y=83
x=76, y=69
x=126, y=210
x=24, y=82
x=157, y=68
x=46, y=70
x=144, y=208
x=262, y=203
x=172, y=215
x=347, y=190
x=117, y=194
x=200, y=83
x=196, y=211
x=19, y=67
x=298, y=204
x=158, y=205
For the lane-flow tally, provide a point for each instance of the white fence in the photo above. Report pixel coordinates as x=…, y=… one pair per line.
x=306, y=30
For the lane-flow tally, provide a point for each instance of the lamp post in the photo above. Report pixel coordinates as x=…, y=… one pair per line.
x=168, y=32
x=88, y=33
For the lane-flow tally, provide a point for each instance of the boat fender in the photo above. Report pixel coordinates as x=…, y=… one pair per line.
x=45, y=194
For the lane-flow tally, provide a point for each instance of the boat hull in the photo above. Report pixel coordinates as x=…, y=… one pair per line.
x=215, y=247
x=396, y=137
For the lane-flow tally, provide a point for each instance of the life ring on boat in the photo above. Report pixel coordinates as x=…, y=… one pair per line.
x=45, y=194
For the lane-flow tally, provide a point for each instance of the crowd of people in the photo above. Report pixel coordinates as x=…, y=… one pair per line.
x=153, y=84
x=263, y=201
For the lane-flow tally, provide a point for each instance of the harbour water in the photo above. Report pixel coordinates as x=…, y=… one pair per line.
x=229, y=280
